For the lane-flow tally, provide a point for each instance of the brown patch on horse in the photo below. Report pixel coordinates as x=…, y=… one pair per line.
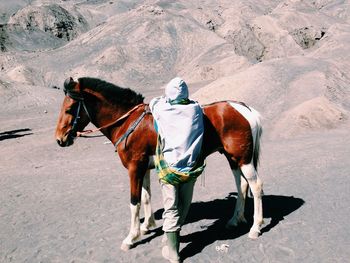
x=233, y=132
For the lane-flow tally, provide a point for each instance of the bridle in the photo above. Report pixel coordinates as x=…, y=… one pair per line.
x=80, y=99
x=81, y=102
x=77, y=116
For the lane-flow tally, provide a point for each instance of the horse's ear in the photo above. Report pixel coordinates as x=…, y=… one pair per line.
x=69, y=83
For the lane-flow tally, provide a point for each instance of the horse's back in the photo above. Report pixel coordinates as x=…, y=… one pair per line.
x=228, y=116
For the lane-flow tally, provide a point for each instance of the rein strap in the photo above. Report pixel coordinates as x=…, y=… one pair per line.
x=110, y=124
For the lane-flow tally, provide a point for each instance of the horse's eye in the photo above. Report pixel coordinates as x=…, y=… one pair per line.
x=69, y=111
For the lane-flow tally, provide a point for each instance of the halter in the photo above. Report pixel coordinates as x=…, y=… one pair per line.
x=76, y=117
x=75, y=96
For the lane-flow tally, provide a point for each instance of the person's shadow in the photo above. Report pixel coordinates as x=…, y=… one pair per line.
x=221, y=210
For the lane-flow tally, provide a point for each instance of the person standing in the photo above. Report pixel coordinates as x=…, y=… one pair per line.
x=179, y=124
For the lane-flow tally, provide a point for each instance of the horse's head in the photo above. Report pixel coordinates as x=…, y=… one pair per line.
x=73, y=117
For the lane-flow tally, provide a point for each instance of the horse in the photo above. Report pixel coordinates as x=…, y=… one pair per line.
x=232, y=128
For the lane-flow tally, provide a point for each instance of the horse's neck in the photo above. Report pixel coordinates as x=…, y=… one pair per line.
x=101, y=111
x=104, y=113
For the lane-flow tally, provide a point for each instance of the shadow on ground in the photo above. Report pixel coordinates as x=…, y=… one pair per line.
x=275, y=207
x=14, y=134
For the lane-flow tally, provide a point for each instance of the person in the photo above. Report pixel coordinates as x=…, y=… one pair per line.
x=179, y=124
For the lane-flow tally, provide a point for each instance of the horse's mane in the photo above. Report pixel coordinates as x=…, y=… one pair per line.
x=113, y=93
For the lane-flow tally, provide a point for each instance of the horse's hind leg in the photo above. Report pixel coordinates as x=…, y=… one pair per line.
x=255, y=184
x=149, y=221
x=242, y=185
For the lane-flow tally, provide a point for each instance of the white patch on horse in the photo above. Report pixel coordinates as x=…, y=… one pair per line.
x=149, y=221
x=254, y=119
x=255, y=185
x=249, y=113
x=134, y=233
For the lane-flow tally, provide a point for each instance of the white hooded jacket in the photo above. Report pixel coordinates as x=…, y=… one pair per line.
x=180, y=125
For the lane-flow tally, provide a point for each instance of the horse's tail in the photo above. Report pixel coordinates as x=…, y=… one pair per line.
x=256, y=132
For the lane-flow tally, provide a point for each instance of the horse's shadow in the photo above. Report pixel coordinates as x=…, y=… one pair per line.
x=14, y=134
x=221, y=210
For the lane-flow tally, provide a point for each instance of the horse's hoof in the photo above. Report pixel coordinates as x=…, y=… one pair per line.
x=125, y=247
x=231, y=224
x=145, y=231
x=253, y=234
x=235, y=222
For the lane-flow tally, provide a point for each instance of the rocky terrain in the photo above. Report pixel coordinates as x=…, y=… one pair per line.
x=289, y=59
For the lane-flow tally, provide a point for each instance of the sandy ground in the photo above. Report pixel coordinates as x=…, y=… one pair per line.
x=72, y=204
x=289, y=59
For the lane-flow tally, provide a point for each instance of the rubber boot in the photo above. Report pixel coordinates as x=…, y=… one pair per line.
x=171, y=250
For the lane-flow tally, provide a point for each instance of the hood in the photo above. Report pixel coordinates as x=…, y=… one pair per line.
x=176, y=89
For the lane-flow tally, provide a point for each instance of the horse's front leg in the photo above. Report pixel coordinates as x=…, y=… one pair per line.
x=136, y=178
x=149, y=221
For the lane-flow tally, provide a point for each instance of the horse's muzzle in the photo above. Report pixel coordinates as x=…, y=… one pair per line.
x=69, y=140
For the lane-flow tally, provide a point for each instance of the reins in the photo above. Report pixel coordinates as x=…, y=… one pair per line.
x=127, y=114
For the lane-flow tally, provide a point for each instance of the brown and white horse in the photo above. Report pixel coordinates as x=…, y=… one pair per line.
x=231, y=128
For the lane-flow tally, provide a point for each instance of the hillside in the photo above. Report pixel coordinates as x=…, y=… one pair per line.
x=288, y=59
